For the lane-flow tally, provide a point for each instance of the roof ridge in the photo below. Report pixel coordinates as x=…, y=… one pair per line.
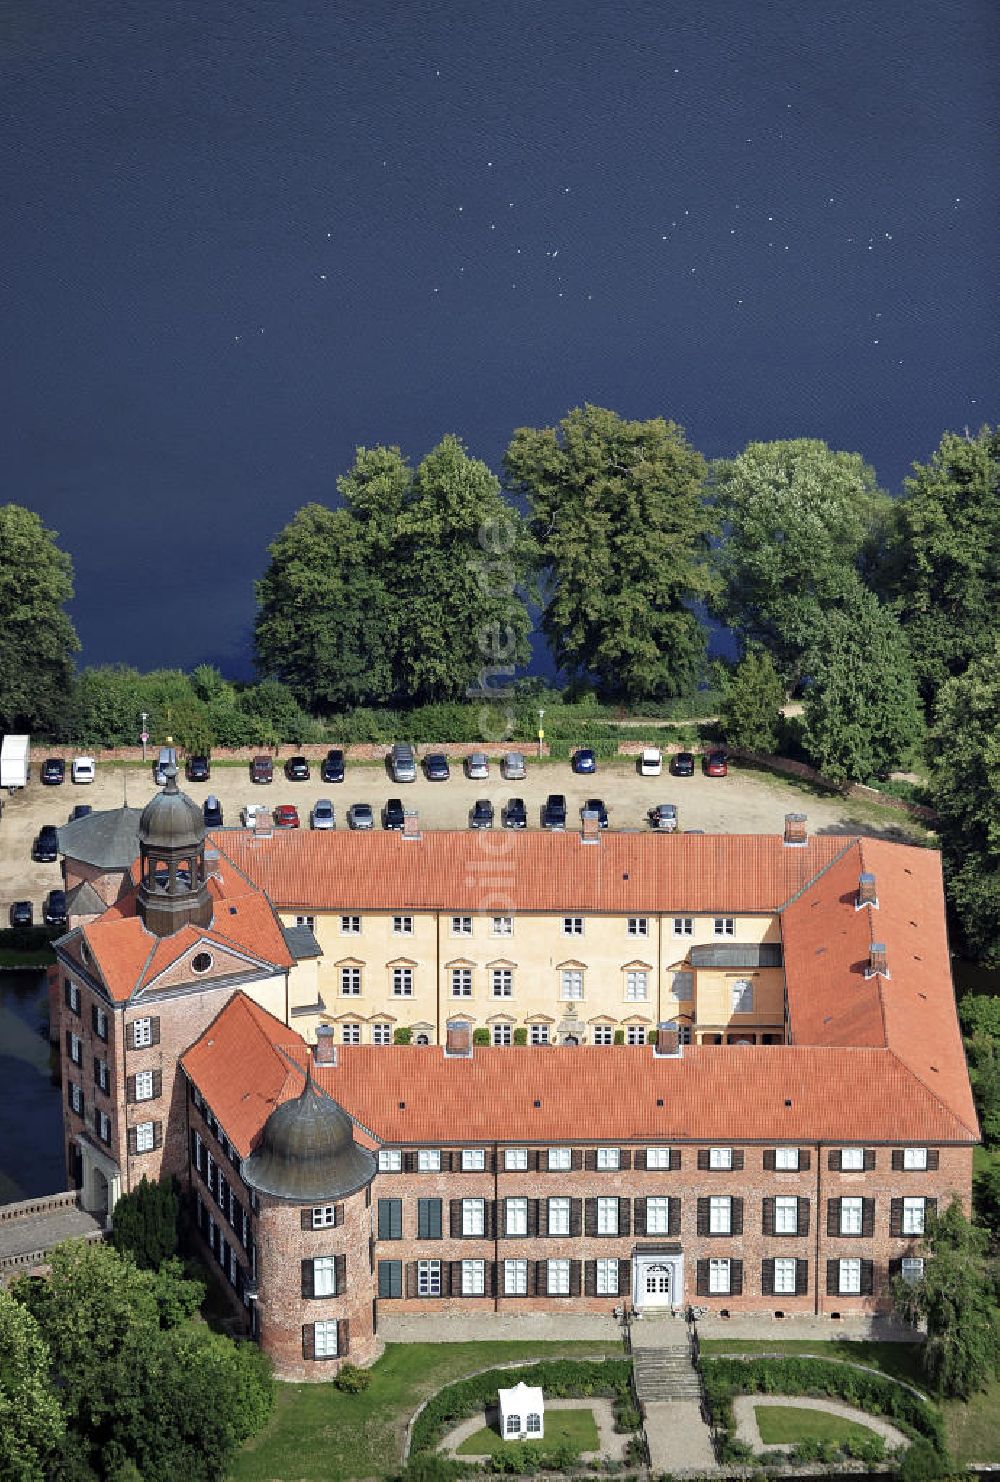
x=798, y=894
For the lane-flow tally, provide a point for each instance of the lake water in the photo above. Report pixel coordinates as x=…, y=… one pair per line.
x=31, y=1135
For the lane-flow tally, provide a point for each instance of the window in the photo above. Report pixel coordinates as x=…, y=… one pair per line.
x=461, y=926
x=201, y=962
x=742, y=995
x=325, y=1338
x=786, y=1216
x=607, y=1278
x=608, y=1158
x=720, y=1214
x=381, y=1034
x=473, y=1160
x=515, y=1278
x=913, y=1216
x=635, y=986
x=428, y=1278
x=502, y=1034
x=912, y=1269
x=473, y=1278
x=635, y=1034
x=102, y=1075
x=786, y=1158
x=607, y=1216
x=350, y=981
x=390, y=1278
x=100, y=1022
x=559, y=1216
x=390, y=1219
x=503, y=982
x=514, y=1425
x=560, y=1160
x=724, y=926
x=515, y=1160
x=657, y=1215
x=351, y=1034
x=461, y=982
x=428, y=1219
x=144, y=1085
x=851, y=1216
x=657, y=1157
x=784, y=1276
x=557, y=1283
x=603, y=1034
x=683, y=926
x=402, y=926
x=102, y=1123
x=516, y=1217
x=142, y=1033
x=309, y=921
x=473, y=1216
x=402, y=982
x=534, y=1423
x=720, y=1157
x=429, y=1160
x=718, y=1275
x=350, y=926
x=539, y=1034
x=638, y=926
x=73, y=996
x=75, y=1048
x=324, y=1216
x=390, y=1160
x=914, y=1159
x=849, y=1271
x=76, y=1098
x=572, y=983
x=572, y=926
x=502, y=926
x=852, y=1160
x=325, y=1276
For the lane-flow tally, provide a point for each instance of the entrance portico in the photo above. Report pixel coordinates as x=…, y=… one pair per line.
x=658, y=1278
x=101, y=1181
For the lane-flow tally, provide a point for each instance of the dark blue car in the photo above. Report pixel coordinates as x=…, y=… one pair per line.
x=436, y=767
x=584, y=760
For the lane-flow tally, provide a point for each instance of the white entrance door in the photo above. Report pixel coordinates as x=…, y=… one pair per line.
x=656, y=1279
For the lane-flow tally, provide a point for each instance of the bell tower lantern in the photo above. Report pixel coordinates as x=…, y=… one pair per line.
x=172, y=891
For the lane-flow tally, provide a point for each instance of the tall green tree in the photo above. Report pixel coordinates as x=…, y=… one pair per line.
x=799, y=522
x=621, y=525
x=861, y=714
x=145, y=1221
x=32, y=1424
x=751, y=706
x=944, y=566
x=966, y=788
x=37, y=639
x=954, y=1297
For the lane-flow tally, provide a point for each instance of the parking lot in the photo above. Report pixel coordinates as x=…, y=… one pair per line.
x=743, y=802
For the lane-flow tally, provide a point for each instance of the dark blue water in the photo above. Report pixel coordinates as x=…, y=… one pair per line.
x=31, y=1130
x=242, y=238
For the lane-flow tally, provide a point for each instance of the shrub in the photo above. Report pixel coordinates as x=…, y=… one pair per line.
x=627, y=1417
x=635, y=1451
x=922, y=1463
x=480, y=1036
x=619, y=1036
x=352, y=1380
x=145, y=1223
x=430, y=1466
x=520, y=1035
x=402, y=1035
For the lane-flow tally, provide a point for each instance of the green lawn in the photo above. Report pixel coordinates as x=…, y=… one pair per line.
x=317, y=1434
x=19, y=957
x=576, y=1428
x=974, y=1429
x=782, y=1425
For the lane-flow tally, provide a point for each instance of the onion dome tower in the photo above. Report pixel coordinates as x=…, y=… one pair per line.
x=307, y=1153
x=173, y=891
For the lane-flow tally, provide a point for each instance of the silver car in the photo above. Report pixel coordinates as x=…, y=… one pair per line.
x=360, y=816
x=477, y=767
x=322, y=816
x=663, y=817
x=514, y=767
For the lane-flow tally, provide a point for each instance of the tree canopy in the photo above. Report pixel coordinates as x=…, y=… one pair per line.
x=37, y=639
x=145, y=1223
x=622, y=529
x=752, y=699
x=32, y=1424
x=797, y=520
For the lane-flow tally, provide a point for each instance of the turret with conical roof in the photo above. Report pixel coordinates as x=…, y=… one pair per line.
x=172, y=892
x=307, y=1153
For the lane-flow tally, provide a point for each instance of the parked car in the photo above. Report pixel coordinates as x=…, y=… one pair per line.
x=716, y=764
x=393, y=814
x=554, y=812
x=514, y=767
x=322, y=816
x=651, y=762
x=198, y=769
x=80, y=811
x=515, y=815
x=22, y=913
x=596, y=805
x=402, y=764
x=584, y=760
x=286, y=815
x=360, y=816
x=212, y=811
x=481, y=815
x=297, y=769
x=250, y=814
x=84, y=769
x=262, y=769
x=333, y=769
x=54, y=909
x=436, y=767
x=53, y=771
x=663, y=816
x=683, y=764
x=46, y=849
x=167, y=757
x=477, y=766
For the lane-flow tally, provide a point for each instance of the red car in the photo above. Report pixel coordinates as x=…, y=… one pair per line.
x=286, y=815
x=716, y=764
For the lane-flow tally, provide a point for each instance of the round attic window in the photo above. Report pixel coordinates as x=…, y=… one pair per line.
x=201, y=962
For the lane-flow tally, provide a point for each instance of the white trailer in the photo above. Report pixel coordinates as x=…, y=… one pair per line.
x=15, y=762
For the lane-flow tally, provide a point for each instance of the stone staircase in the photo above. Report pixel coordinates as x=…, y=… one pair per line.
x=664, y=1373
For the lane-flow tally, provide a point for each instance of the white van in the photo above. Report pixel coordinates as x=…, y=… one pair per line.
x=167, y=758
x=651, y=762
x=84, y=769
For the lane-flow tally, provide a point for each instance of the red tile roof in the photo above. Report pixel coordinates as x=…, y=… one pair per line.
x=531, y=871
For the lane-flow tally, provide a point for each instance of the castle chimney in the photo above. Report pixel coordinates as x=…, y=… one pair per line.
x=795, y=829
x=590, y=832
x=411, y=824
x=867, y=894
x=325, y=1052
x=878, y=961
x=667, y=1040
x=458, y=1039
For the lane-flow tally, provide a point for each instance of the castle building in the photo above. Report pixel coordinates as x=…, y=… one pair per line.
x=739, y=1079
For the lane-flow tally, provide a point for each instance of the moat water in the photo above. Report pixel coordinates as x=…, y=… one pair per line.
x=31, y=1150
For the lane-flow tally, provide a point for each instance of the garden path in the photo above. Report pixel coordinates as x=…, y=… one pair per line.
x=744, y=1410
x=611, y=1443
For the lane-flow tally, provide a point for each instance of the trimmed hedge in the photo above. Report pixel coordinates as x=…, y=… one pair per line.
x=559, y=1378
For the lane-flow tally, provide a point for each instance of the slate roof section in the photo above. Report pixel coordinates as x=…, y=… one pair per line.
x=108, y=840
x=736, y=955
x=83, y=900
x=301, y=942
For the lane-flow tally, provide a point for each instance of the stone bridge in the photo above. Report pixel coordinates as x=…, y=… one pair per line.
x=30, y=1229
